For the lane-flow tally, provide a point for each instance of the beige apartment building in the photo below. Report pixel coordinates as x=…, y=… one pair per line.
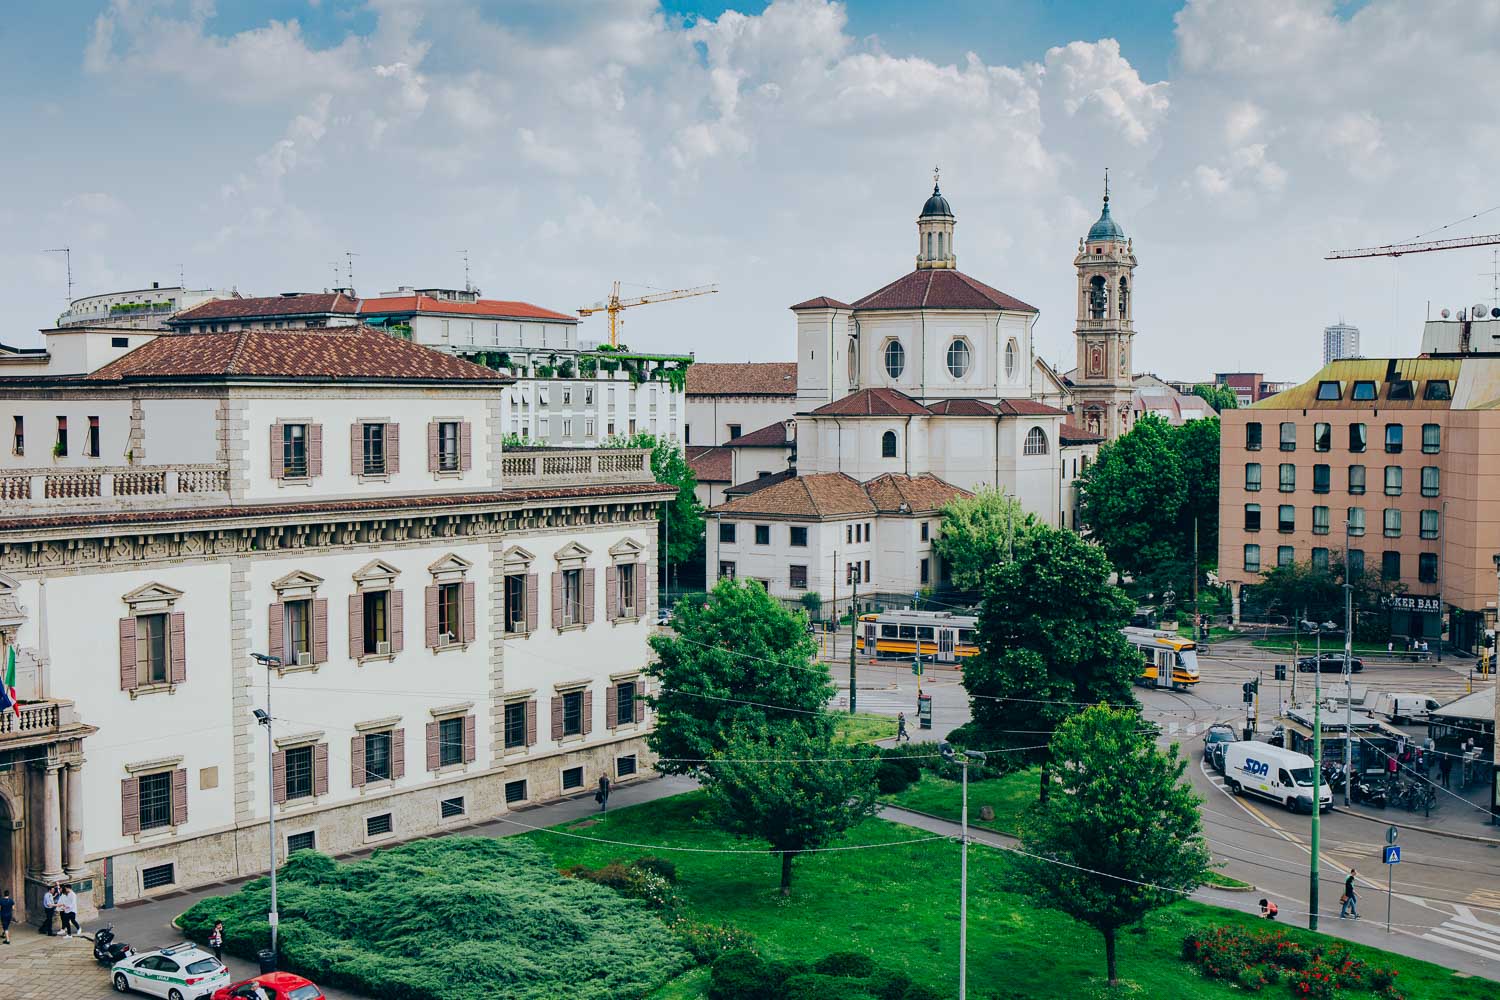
x=1402, y=456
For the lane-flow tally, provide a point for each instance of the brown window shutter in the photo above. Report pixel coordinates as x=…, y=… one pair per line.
x=465, y=446
x=278, y=457
x=356, y=626
x=531, y=723
x=278, y=776
x=469, y=611
x=611, y=705
x=433, y=758
x=357, y=761
x=432, y=617
x=393, y=448
x=640, y=701
x=320, y=769
x=531, y=602
x=588, y=711
x=588, y=595
x=557, y=598
x=397, y=629
x=314, y=450
x=277, y=619
x=320, y=630
x=557, y=718
x=128, y=674
x=356, y=450
x=178, y=666
x=179, y=797
x=130, y=806
x=432, y=446
x=612, y=592
x=398, y=753
x=641, y=611
x=469, y=742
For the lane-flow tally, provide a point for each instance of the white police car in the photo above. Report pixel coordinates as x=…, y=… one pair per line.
x=181, y=972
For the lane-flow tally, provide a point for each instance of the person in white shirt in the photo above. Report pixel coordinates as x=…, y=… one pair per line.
x=67, y=907
x=49, y=908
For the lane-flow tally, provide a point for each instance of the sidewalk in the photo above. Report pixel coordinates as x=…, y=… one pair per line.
x=1461, y=813
x=47, y=968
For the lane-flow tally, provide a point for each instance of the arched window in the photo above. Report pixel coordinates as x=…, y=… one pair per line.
x=942, y=245
x=931, y=244
x=888, y=444
x=895, y=359
x=1124, y=299
x=1012, y=351
x=1098, y=297
x=958, y=358
x=1036, y=442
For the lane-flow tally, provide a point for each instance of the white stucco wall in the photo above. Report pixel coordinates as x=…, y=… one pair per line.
x=40, y=424
x=709, y=417
x=585, y=412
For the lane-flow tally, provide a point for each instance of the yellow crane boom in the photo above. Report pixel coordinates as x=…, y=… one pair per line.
x=614, y=305
x=1402, y=249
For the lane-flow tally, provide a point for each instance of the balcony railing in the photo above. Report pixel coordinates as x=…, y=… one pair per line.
x=528, y=468
x=85, y=486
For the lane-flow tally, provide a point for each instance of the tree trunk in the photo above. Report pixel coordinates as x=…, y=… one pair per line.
x=1041, y=796
x=786, y=873
x=1109, y=955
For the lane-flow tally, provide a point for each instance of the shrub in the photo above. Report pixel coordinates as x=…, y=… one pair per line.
x=707, y=942
x=660, y=866
x=890, y=984
x=849, y=964
x=814, y=986
x=919, y=992
x=738, y=975
x=613, y=875
x=1316, y=982
x=891, y=778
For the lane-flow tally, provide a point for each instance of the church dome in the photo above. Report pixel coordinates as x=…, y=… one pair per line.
x=1106, y=228
x=936, y=206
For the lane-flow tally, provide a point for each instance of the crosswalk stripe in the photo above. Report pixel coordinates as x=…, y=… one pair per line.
x=1462, y=931
x=1438, y=936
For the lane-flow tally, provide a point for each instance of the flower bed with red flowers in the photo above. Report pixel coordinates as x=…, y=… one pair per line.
x=1256, y=960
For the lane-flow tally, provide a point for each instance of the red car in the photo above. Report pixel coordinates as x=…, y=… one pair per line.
x=271, y=986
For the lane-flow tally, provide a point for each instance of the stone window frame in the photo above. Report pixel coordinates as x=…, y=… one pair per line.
x=520, y=561
x=373, y=577
x=312, y=443
x=157, y=599
x=885, y=368
x=626, y=551
x=392, y=453
x=465, y=456
x=314, y=738
x=584, y=688
x=452, y=569
x=575, y=556
x=300, y=585
x=172, y=765
x=969, y=354
x=531, y=733
x=469, y=750
x=392, y=727
x=639, y=721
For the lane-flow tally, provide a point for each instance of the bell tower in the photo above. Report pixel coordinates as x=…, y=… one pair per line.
x=935, y=231
x=1102, y=384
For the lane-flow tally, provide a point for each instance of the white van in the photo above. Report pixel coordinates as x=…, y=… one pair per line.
x=1404, y=706
x=1273, y=773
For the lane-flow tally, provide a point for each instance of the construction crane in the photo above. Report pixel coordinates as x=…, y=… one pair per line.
x=615, y=304
x=1401, y=249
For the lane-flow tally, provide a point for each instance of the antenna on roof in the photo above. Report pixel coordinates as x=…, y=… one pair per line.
x=182, y=277
x=350, y=255
x=468, y=286
x=68, y=253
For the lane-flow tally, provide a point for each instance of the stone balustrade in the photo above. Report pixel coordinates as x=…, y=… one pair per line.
x=530, y=468
x=86, y=485
x=36, y=719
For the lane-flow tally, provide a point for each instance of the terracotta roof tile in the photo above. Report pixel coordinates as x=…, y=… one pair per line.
x=775, y=435
x=307, y=304
x=749, y=378
x=919, y=493
x=1028, y=408
x=1073, y=434
x=760, y=483
x=496, y=308
x=879, y=402
x=323, y=352
x=834, y=494
x=940, y=288
x=821, y=302
x=711, y=464
x=961, y=408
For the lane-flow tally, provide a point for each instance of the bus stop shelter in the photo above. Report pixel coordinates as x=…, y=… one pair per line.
x=1373, y=739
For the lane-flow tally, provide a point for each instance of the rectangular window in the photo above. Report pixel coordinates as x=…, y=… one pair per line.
x=734, y=431
x=1401, y=389
x=798, y=575
x=1392, y=522
x=451, y=741
x=305, y=841
x=567, y=394
x=448, y=446
x=1288, y=477
x=1252, y=477
x=297, y=628
x=1394, y=434
x=1432, y=439
x=567, y=430
x=1252, y=437
x=1390, y=565
x=1286, y=519
x=627, y=590
x=1393, y=480
x=1438, y=388
x=1429, y=524
x=1285, y=555
x=848, y=534
x=515, y=724
x=1252, y=517
x=799, y=536
x=588, y=427
x=926, y=526
x=299, y=772
x=625, y=766
x=18, y=436
x=1320, y=520
x=449, y=808
x=572, y=778
x=1356, y=521
x=1252, y=558
x=515, y=791
x=1427, y=567
x=573, y=713
x=378, y=826
x=156, y=800
x=377, y=607
x=1429, y=480
x=157, y=876
x=1356, y=479
x=726, y=570
x=726, y=533
x=572, y=596
x=151, y=650
x=378, y=756
x=294, y=451
x=61, y=447
x=1322, y=437
x=450, y=614
x=1363, y=391
x=1328, y=391
x=515, y=602
x=91, y=443
x=867, y=576
x=373, y=440
x=1356, y=563
x=1358, y=440
x=625, y=703
x=1321, y=479
x=1288, y=436
x=1320, y=559
x=924, y=572
x=762, y=534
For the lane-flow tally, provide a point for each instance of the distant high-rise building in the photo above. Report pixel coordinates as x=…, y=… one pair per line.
x=1341, y=340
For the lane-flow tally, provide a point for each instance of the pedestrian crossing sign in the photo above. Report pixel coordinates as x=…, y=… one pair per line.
x=1391, y=855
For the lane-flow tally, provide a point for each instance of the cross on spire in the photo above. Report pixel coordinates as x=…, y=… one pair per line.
x=1106, y=185
x=935, y=172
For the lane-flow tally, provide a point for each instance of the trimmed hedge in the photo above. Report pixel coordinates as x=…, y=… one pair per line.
x=844, y=975
x=459, y=918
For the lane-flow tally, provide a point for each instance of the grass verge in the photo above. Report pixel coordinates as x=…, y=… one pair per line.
x=1009, y=796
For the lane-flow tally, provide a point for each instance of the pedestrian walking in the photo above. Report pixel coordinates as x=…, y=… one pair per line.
x=1445, y=768
x=7, y=914
x=216, y=939
x=49, y=910
x=67, y=908
x=1348, y=903
x=602, y=795
x=901, y=733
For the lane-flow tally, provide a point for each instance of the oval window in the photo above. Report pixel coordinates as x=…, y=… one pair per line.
x=853, y=361
x=958, y=358
x=895, y=359
x=1012, y=350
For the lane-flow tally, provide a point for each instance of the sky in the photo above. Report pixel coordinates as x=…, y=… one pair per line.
x=781, y=150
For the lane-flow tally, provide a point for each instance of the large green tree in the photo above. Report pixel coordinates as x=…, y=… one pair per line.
x=1125, y=836
x=682, y=524
x=1220, y=397
x=978, y=532
x=738, y=659
x=796, y=791
x=1197, y=445
x=1049, y=643
x=1303, y=590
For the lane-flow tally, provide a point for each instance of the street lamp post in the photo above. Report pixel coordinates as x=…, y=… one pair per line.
x=946, y=749
x=1495, y=743
x=1317, y=776
x=1348, y=673
x=264, y=718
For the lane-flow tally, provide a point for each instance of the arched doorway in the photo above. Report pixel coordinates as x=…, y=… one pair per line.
x=12, y=872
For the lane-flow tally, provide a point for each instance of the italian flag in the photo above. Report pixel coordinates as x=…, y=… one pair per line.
x=8, y=683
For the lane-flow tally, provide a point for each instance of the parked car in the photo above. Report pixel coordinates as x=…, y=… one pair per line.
x=1219, y=732
x=1216, y=755
x=181, y=972
x=1329, y=663
x=272, y=986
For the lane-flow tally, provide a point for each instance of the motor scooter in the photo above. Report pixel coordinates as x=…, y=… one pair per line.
x=108, y=951
x=1368, y=791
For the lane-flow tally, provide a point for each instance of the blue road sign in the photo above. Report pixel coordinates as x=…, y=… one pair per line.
x=1391, y=855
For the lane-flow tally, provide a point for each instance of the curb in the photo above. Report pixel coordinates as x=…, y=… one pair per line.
x=1472, y=837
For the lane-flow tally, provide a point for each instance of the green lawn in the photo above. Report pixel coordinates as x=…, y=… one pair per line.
x=899, y=904
x=862, y=727
x=1306, y=646
x=1009, y=796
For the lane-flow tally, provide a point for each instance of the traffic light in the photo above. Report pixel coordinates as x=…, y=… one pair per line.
x=1281, y=671
x=1250, y=688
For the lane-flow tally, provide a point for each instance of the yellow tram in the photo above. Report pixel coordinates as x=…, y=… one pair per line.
x=939, y=636
x=1168, y=660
